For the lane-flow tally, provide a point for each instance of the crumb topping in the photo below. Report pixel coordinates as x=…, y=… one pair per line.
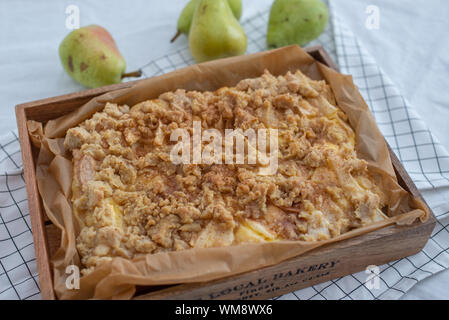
x=131, y=199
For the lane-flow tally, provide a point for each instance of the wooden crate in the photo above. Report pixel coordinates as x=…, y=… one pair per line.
x=322, y=264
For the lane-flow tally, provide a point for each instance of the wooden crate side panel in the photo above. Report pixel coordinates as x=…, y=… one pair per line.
x=318, y=266
x=51, y=108
x=36, y=210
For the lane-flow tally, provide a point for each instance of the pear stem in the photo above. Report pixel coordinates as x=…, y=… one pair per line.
x=176, y=36
x=134, y=74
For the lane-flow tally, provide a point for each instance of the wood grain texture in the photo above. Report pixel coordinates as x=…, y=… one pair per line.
x=319, y=265
x=51, y=108
x=35, y=207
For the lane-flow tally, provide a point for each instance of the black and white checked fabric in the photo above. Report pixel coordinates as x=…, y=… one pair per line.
x=424, y=158
x=18, y=271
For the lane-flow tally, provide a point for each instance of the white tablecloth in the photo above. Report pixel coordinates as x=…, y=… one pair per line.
x=410, y=32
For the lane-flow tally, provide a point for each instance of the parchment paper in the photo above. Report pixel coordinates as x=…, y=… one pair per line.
x=118, y=278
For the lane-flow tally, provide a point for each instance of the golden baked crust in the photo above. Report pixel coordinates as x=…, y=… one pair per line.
x=130, y=199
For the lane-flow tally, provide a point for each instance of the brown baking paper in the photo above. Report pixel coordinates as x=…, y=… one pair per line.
x=118, y=278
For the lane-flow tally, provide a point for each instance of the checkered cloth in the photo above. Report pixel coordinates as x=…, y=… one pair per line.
x=424, y=158
x=18, y=271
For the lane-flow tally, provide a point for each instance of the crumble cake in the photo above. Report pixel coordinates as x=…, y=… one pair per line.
x=130, y=199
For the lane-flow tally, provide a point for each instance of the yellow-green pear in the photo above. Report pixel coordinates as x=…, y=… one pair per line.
x=295, y=22
x=91, y=57
x=185, y=19
x=215, y=32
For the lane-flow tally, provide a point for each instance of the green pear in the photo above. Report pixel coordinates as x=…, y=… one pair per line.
x=185, y=19
x=295, y=22
x=91, y=57
x=215, y=33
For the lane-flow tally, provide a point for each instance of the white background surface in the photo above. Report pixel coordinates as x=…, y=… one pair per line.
x=411, y=46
